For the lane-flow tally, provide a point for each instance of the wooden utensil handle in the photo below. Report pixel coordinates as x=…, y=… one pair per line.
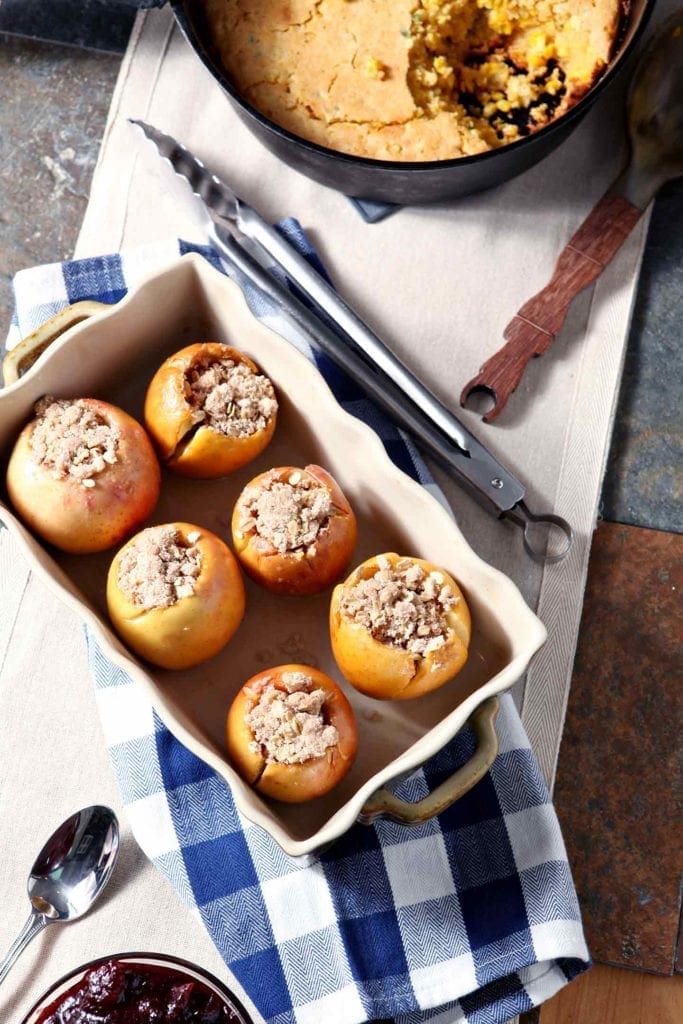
x=531, y=331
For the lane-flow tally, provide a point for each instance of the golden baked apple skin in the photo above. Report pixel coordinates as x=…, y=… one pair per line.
x=79, y=519
x=292, y=783
x=185, y=448
x=196, y=627
x=297, y=573
x=386, y=672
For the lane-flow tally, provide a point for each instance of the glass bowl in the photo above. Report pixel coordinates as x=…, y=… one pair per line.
x=188, y=971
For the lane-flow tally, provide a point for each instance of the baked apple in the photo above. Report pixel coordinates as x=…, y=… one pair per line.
x=175, y=594
x=293, y=530
x=83, y=474
x=210, y=410
x=291, y=733
x=400, y=627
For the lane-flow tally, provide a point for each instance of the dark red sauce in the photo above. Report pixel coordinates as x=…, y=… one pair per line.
x=116, y=992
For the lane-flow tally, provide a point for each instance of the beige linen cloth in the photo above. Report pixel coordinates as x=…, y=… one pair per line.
x=438, y=284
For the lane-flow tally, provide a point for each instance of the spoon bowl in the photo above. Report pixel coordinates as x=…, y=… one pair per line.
x=69, y=873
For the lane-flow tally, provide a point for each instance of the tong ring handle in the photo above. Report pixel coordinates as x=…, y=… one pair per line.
x=538, y=531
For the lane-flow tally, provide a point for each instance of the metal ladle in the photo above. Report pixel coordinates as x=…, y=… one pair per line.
x=69, y=874
x=655, y=121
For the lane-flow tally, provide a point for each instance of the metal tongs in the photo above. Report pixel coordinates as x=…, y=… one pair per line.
x=244, y=237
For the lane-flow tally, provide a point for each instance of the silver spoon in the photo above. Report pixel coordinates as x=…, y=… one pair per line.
x=69, y=873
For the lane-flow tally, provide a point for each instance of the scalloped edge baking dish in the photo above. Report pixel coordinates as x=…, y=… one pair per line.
x=167, y=309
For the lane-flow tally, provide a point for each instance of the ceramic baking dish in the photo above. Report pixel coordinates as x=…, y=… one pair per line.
x=113, y=355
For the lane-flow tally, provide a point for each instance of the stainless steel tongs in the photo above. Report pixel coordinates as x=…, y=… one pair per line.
x=246, y=239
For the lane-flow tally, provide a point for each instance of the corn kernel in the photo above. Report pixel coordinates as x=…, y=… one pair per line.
x=375, y=68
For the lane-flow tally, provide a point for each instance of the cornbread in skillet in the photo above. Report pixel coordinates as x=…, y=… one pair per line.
x=83, y=474
x=399, y=627
x=175, y=594
x=413, y=80
x=291, y=733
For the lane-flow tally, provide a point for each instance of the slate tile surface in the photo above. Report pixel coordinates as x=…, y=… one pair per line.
x=618, y=791
x=53, y=108
x=96, y=24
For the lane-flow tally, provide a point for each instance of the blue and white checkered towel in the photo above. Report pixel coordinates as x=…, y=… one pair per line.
x=468, y=919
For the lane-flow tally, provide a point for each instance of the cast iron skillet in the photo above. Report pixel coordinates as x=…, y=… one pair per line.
x=406, y=183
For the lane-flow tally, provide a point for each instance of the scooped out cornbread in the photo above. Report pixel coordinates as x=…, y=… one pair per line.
x=413, y=80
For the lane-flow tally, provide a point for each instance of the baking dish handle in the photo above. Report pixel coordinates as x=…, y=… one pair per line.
x=22, y=357
x=383, y=803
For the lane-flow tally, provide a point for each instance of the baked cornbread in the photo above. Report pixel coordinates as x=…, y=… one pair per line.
x=413, y=80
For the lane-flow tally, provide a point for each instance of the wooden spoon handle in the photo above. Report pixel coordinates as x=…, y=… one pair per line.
x=531, y=331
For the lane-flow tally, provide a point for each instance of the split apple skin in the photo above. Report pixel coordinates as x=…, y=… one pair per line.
x=297, y=573
x=388, y=672
x=184, y=447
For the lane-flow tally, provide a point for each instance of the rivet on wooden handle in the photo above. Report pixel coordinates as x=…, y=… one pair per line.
x=534, y=327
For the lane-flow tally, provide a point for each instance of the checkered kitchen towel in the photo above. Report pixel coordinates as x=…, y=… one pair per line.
x=468, y=919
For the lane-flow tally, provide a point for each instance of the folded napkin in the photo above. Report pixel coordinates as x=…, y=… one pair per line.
x=470, y=918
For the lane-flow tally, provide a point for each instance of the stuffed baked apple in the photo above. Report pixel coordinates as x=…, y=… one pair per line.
x=83, y=474
x=399, y=627
x=210, y=410
x=175, y=594
x=291, y=733
x=293, y=530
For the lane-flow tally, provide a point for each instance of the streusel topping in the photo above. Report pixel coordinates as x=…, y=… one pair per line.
x=289, y=725
x=289, y=514
x=229, y=397
x=72, y=440
x=402, y=605
x=160, y=567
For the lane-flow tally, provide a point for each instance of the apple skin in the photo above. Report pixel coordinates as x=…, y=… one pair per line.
x=196, y=627
x=78, y=519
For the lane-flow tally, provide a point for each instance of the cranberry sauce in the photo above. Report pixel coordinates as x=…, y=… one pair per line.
x=116, y=992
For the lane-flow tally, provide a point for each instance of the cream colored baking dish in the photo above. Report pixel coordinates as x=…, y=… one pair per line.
x=113, y=354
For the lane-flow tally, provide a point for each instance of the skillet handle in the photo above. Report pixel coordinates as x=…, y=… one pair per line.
x=383, y=803
x=535, y=326
x=22, y=357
